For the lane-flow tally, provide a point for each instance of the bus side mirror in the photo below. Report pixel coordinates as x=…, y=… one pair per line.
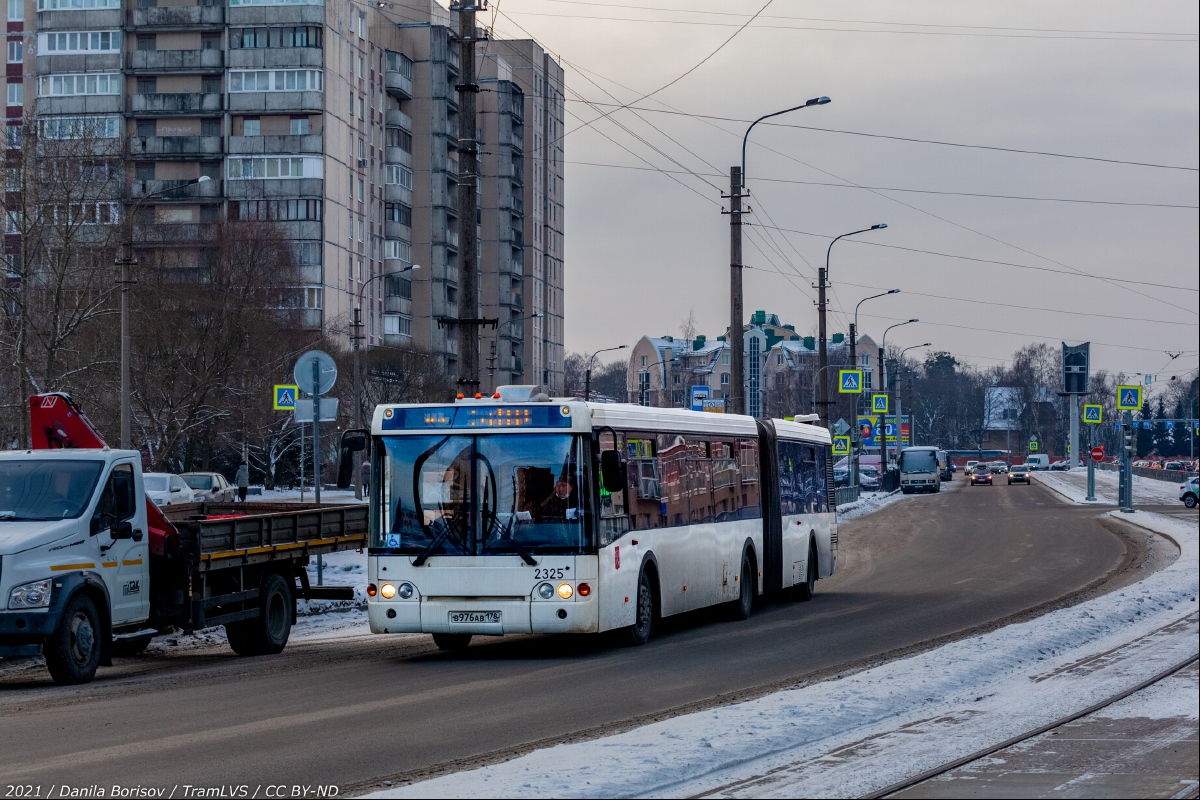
x=612, y=471
x=353, y=441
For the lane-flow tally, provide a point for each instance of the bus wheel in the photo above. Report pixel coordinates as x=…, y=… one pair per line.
x=806, y=590
x=452, y=641
x=643, y=627
x=742, y=607
x=73, y=651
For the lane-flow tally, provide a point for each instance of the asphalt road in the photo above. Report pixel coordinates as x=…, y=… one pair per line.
x=356, y=711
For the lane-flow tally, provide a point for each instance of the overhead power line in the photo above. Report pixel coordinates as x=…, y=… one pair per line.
x=914, y=140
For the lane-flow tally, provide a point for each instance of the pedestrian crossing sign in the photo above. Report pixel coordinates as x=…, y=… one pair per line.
x=1129, y=398
x=879, y=403
x=841, y=445
x=285, y=397
x=1093, y=413
x=850, y=381
x=1033, y=445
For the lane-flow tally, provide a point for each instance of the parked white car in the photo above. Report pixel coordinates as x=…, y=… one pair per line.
x=166, y=489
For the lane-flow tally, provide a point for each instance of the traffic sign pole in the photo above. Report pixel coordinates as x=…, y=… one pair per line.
x=1091, y=464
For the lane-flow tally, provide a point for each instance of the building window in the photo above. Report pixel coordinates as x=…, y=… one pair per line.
x=282, y=210
x=269, y=2
x=724, y=378
x=16, y=51
x=864, y=361
x=398, y=137
x=643, y=386
x=90, y=84
x=79, y=127
x=397, y=325
x=397, y=212
x=291, y=36
x=278, y=80
x=251, y=127
x=16, y=94
x=16, y=10
x=273, y=167
x=725, y=360
x=398, y=174
x=299, y=126
x=72, y=5
x=866, y=380
x=69, y=42
x=397, y=248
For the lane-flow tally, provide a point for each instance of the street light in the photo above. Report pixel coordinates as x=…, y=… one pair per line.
x=883, y=385
x=900, y=397
x=737, y=183
x=356, y=340
x=587, y=381
x=125, y=259
x=496, y=339
x=822, y=283
x=856, y=439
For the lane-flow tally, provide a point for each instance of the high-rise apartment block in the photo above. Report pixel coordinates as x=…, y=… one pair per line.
x=339, y=121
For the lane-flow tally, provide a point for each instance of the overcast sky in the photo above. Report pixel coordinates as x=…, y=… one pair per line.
x=1111, y=80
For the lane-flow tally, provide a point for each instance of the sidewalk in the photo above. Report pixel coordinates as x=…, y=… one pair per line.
x=1073, y=486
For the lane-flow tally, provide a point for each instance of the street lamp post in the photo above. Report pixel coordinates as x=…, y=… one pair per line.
x=495, y=344
x=883, y=385
x=900, y=399
x=356, y=343
x=587, y=381
x=737, y=185
x=126, y=259
x=822, y=283
x=856, y=436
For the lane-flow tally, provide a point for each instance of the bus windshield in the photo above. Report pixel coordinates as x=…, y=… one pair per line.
x=512, y=494
x=918, y=461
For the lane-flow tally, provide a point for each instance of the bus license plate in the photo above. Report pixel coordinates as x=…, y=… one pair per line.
x=474, y=617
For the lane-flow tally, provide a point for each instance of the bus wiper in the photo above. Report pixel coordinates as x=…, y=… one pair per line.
x=437, y=541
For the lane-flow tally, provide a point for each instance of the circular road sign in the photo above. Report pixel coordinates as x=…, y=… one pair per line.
x=303, y=371
x=1097, y=454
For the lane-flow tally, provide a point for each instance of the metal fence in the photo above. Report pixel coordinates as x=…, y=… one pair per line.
x=1168, y=475
x=846, y=494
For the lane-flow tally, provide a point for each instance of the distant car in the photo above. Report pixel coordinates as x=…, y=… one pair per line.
x=166, y=489
x=1189, y=491
x=981, y=475
x=1019, y=474
x=970, y=466
x=1037, y=461
x=868, y=478
x=1178, y=466
x=1060, y=466
x=998, y=467
x=210, y=487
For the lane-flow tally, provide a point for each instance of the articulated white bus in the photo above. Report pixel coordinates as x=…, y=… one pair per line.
x=522, y=514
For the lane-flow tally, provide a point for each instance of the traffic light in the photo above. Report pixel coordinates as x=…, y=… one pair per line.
x=1127, y=437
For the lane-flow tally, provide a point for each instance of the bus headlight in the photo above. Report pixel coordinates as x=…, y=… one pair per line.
x=565, y=591
x=405, y=592
x=388, y=591
x=545, y=591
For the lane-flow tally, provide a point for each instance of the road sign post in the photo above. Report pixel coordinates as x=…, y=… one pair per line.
x=317, y=370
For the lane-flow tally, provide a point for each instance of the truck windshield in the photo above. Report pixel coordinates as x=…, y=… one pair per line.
x=512, y=494
x=918, y=461
x=45, y=490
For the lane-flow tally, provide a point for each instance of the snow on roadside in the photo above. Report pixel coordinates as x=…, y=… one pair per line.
x=856, y=734
x=1073, y=486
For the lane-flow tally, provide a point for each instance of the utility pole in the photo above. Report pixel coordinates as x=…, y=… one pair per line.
x=356, y=339
x=855, y=433
x=737, y=377
x=468, y=203
x=823, y=361
x=882, y=417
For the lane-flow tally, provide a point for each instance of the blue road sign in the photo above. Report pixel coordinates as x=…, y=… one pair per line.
x=1093, y=413
x=1129, y=398
x=850, y=381
x=699, y=395
x=879, y=403
x=285, y=397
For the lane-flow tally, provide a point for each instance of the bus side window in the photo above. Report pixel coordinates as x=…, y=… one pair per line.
x=747, y=457
x=613, y=520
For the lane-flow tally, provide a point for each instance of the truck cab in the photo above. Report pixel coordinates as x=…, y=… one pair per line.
x=74, y=566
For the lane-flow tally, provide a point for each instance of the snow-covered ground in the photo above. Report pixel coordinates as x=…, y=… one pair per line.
x=1073, y=486
x=858, y=733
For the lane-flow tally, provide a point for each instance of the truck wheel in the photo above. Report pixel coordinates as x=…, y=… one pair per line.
x=642, y=629
x=742, y=607
x=806, y=590
x=266, y=634
x=73, y=651
x=452, y=642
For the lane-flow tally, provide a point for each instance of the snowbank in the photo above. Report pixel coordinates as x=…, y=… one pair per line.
x=1073, y=486
x=859, y=733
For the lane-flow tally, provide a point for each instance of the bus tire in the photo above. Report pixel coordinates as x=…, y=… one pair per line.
x=806, y=590
x=742, y=607
x=266, y=634
x=646, y=611
x=452, y=642
x=73, y=650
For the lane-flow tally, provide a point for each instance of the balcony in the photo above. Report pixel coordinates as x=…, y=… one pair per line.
x=276, y=102
x=397, y=230
x=173, y=190
x=176, y=60
x=277, y=14
x=176, y=103
x=308, y=143
x=395, y=118
x=397, y=305
x=395, y=193
x=179, y=233
x=309, y=318
x=452, y=238
x=179, y=17
x=398, y=84
x=191, y=147
x=275, y=57
x=257, y=188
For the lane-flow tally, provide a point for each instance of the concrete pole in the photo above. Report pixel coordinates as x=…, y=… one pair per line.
x=882, y=417
x=358, y=323
x=126, y=260
x=855, y=433
x=1074, y=430
x=468, y=202
x=737, y=377
x=823, y=352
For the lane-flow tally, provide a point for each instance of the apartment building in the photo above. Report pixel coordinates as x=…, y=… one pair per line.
x=337, y=121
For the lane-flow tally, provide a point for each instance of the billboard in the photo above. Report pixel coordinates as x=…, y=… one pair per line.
x=868, y=429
